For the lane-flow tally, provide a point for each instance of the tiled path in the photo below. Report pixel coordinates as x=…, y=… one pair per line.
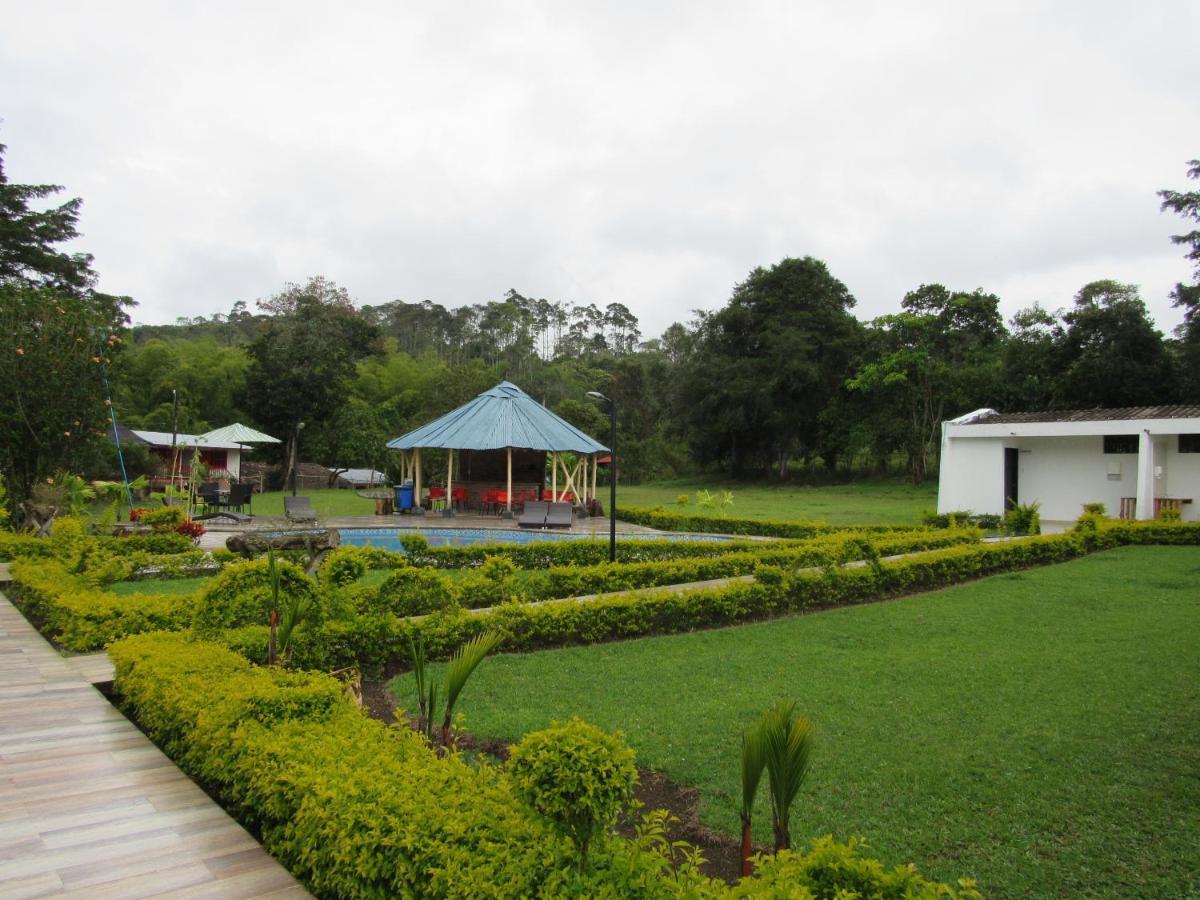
x=90, y=808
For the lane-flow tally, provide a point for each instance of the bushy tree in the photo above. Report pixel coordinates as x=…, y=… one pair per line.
x=303, y=359
x=57, y=338
x=1111, y=354
x=1187, y=296
x=767, y=364
x=936, y=358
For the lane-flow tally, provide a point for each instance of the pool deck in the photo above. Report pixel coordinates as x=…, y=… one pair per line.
x=89, y=807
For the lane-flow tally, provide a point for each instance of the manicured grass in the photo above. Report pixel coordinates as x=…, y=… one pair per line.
x=1037, y=731
x=160, y=586
x=327, y=502
x=874, y=501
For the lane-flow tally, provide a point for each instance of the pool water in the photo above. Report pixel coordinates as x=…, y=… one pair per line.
x=389, y=538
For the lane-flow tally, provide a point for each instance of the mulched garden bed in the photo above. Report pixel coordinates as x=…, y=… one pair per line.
x=722, y=853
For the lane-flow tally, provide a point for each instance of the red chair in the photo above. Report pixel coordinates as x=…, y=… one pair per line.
x=458, y=497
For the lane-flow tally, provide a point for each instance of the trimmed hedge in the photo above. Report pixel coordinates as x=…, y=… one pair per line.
x=23, y=546
x=378, y=641
x=665, y=520
x=356, y=809
x=82, y=617
x=544, y=554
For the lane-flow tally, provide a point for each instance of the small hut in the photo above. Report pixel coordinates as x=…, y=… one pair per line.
x=496, y=453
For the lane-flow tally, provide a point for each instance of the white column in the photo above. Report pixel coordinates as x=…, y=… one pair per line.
x=1145, y=476
x=554, y=476
x=449, y=481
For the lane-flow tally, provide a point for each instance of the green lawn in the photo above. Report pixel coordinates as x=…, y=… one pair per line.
x=1038, y=731
x=327, y=502
x=160, y=586
x=873, y=501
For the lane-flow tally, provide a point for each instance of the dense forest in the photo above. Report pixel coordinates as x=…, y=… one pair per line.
x=783, y=381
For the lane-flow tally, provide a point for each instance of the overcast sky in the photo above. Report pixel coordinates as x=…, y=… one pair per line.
x=651, y=154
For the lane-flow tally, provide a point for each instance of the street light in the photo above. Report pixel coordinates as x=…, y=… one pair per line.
x=295, y=453
x=612, y=472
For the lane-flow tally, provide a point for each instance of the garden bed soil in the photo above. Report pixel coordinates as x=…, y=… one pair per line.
x=721, y=852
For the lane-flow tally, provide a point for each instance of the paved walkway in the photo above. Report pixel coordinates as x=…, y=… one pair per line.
x=90, y=808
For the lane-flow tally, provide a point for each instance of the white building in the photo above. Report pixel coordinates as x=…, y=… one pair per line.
x=1136, y=461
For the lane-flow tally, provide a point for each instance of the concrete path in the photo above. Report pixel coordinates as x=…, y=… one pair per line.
x=89, y=807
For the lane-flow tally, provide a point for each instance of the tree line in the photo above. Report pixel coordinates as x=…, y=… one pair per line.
x=784, y=378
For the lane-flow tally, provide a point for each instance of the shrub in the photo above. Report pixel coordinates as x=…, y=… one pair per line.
x=1023, y=519
x=830, y=869
x=414, y=592
x=576, y=776
x=680, y=521
x=82, y=617
x=1095, y=509
x=345, y=565
x=23, y=546
x=163, y=518
x=241, y=595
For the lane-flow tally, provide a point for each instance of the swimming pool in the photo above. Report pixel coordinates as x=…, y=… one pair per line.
x=389, y=538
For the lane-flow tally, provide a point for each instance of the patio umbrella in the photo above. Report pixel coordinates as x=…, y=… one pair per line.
x=239, y=434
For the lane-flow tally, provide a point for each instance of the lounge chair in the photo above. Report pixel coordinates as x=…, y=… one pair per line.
x=299, y=509
x=559, y=515
x=534, y=514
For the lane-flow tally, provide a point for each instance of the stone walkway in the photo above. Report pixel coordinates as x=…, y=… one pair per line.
x=89, y=807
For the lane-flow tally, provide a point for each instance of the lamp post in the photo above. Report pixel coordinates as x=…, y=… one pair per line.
x=295, y=452
x=612, y=472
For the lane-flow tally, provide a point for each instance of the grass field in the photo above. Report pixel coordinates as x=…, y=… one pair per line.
x=1037, y=731
x=873, y=501
x=327, y=502
x=160, y=586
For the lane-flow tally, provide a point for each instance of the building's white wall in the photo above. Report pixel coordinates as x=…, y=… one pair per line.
x=1059, y=473
x=971, y=476
x=233, y=464
x=1063, y=473
x=1183, y=478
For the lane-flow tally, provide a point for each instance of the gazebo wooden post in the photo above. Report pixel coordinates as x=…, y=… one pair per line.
x=449, y=511
x=508, y=494
x=595, y=466
x=417, y=479
x=554, y=476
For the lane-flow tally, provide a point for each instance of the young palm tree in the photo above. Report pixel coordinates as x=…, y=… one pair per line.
x=753, y=760
x=787, y=745
x=459, y=669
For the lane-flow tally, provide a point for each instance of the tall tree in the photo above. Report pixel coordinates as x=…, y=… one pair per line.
x=768, y=363
x=57, y=337
x=1112, y=355
x=1187, y=296
x=304, y=356
x=934, y=359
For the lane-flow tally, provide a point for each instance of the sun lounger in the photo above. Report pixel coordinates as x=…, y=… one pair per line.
x=559, y=515
x=299, y=509
x=534, y=514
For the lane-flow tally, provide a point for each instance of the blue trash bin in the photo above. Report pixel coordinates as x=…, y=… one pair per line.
x=404, y=496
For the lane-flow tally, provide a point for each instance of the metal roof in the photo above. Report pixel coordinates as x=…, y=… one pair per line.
x=239, y=433
x=163, y=439
x=1120, y=414
x=504, y=416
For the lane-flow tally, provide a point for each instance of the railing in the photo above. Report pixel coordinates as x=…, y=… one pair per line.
x=1161, y=504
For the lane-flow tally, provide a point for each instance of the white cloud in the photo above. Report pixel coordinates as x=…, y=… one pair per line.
x=608, y=152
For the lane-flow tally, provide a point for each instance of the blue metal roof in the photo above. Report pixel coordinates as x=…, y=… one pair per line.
x=503, y=417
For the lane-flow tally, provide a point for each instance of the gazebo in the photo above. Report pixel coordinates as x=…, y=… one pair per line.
x=502, y=437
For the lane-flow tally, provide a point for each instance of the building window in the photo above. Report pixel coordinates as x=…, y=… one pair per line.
x=1189, y=443
x=1120, y=443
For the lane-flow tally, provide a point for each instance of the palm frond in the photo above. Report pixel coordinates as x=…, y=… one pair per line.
x=462, y=664
x=788, y=749
x=754, y=758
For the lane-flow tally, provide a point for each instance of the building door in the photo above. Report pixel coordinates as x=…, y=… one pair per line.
x=1012, y=456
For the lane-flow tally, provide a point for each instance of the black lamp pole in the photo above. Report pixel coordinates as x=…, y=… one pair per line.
x=295, y=453
x=612, y=473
